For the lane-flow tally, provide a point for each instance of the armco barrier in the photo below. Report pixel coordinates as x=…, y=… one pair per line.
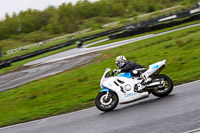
x=87, y=38
x=179, y=14
x=26, y=56
x=7, y=63
x=144, y=29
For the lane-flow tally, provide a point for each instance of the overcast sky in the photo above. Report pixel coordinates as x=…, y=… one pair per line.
x=10, y=6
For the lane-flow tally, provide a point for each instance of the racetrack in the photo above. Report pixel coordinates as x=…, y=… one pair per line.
x=63, y=61
x=176, y=113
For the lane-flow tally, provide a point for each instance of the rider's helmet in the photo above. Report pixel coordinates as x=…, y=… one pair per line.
x=120, y=61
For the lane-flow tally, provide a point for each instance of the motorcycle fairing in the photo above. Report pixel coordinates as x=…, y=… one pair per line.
x=125, y=74
x=105, y=89
x=127, y=95
x=154, y=68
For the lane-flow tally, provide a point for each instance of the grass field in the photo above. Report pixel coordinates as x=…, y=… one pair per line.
x=77, y=88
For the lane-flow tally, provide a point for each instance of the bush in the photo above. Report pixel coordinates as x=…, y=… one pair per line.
x=151, y=8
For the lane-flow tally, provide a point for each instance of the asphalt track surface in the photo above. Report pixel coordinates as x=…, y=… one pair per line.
x=14, y=79
x=177, y=113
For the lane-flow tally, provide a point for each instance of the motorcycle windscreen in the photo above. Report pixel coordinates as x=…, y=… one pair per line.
x=126, y=74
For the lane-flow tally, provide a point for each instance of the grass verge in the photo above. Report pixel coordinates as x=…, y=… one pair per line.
x=77, y=88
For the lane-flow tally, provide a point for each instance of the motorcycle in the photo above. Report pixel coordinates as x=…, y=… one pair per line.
x=123, y=88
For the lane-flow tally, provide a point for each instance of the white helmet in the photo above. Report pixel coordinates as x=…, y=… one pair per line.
x=120, y=61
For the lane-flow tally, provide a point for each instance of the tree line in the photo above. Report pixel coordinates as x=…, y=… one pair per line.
x=68, y=18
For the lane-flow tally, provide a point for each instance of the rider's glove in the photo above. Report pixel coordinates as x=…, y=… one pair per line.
x=116, y=71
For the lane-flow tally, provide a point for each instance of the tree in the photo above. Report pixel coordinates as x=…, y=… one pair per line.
x=53, y=25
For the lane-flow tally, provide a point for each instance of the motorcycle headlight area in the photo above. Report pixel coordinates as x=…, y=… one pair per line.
x=127, y=87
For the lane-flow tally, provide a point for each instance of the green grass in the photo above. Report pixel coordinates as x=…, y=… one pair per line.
x=77, y=88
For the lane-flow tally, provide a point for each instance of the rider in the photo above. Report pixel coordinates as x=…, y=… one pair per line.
x=126, y=66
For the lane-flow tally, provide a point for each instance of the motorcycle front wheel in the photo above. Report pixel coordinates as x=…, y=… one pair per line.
x=164, y=90
x=106, y=102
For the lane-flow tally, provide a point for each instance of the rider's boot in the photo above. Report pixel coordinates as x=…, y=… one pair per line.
x=145, y=81
x=140, y=86
x=142, y=83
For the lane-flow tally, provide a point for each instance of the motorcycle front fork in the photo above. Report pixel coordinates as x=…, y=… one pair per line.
x=106, y=98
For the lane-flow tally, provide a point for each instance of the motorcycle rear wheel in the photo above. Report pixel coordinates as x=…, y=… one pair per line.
x=108, y=104
x=166, y=89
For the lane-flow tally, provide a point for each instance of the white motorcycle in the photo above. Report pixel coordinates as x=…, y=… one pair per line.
x=123, y=87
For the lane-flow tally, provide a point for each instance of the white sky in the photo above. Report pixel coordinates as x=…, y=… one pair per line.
x=10, y=6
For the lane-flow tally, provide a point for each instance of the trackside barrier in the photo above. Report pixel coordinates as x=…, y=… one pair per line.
x=87, y=38
x=179, y=14
x=154, y=27
x=7, y=63
x=26, y=56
